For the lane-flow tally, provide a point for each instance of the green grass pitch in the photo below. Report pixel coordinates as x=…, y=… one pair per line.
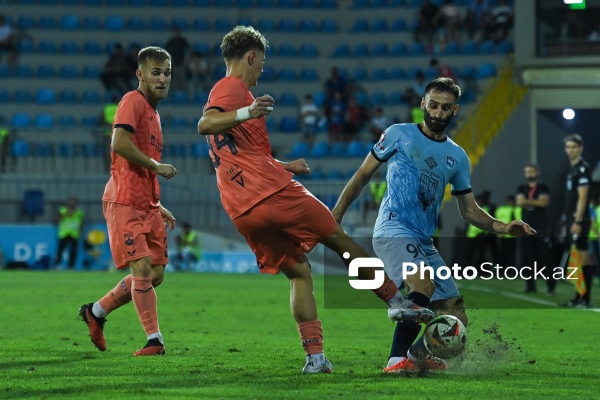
x=232, y=337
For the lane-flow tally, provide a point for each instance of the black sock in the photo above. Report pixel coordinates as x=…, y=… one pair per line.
x=405, y=334
x=418, y=298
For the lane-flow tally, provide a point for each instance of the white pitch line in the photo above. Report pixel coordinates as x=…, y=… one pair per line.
x=520, y=297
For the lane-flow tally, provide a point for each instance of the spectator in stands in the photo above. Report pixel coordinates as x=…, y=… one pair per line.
x=7, y=42
x=336, y=116
x=335, y=84
x=476, y=20
x=379, y=123
x=178, y=46
x=356, y=115
x=115, y=73
x=427, y=25
x=189, y=249
x=309, y=115
x=198, y=71
x=501, y=20
x=415, y=89
x=69, y=223
x=132, y=63
x=449, y=16
x=444, y=70
x=417, y=115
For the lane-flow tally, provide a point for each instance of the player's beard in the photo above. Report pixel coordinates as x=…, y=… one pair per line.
x=437, y=125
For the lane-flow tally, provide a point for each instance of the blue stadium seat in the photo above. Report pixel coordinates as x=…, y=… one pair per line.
x=91, y=23
x=4, y=71
x=399, y=25
x=379, y=74
x=451, y=48
x=180, y=23
x=395, y=98
x=200, y=25
x=47, y=22
x=308, y=51
x=46, y=71
x=379, y=25
x=320, y=150
x=46, y=96
x=21, y=120
x=245, y=3
x=299, y=150
x=266, y=3
x=200, y=98
x=287, y=75
x=245, y=22
x=92, y=48
x=469, y=48
x=23, y=96
x=47, y=47
x=157, y=3
x=90, y=150
x=319, y=99
x=271, y=124
x=68, y=72
x=288, y=99
x=505, y=47
x=399, y=49
x=66, y=121
x=4, y=97
x=308, y=26
x=287, y=50
x=179, y=122
x=223, y=24
x=136, y=24
x=200, y=149
x=179, y=97
x=69, y=47
x=268, y=75
x=91, y=72
x=356, y=149
x=377, y=99
x=68, y=96
x=287, y=25
x=309, y=3
x=26, y=46
x=19, y=149
x=287, y=3
x=468, y=72
x=114, y=23
x=486, y=70
x=360, y=26
x=90, y=97
x=379, y=49
x=26, y=22
x=266, y=25
x=431, y=73
x=341, y=50
x=329, y=26
x=361, y=4
x=158, y=24
x=378, y=3
x=90, y=121
x=335, y=175
x=65, y=149
x=360, y=50
x=33, y=204
x=201, y=3
x=412, y=72
x=69, y=22
x=44, y=121
x=42, y=149
x=220, y=72
x=486, y=47
x=361, y=98
x=309, y=74
x=289, y=124
x=417, y=49
x=338, y=150
x=360, y=74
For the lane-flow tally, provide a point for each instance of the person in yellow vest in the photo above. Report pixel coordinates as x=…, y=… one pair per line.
x=107, y=117
x=507, y=244
x=479, y=240
x=189, y=249
x=377, y=188
x=70, y=221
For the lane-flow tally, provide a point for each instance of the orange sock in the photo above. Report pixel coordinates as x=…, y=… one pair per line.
x=118, y=296
x=387, y=291
x=144, y=299
x=311, y=334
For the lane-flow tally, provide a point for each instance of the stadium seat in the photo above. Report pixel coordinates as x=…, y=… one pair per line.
x=179, y=97
x=201, y=3
x=157, y=3
x=335, y=175
x=243, y=21
x=309, y=74
x=287, y=50
x=431, y=73
x=26, y=22
x=361, y=98
x=287, y=3
x=486, y=47
x=21, y=120
x=200, y=150
x=360, y=50
x=23, y=96
x=412, y=72
x=399, y=49
x=69, y=47
x=356, y=149
x=245, y=3
x=223, y=24
x=136, y=24
x=158, y=24
x=320, y=150
x=179, y=122
x=468, y=72
x=46, y=71
x=26, y=46
x=90, y=150
x=4, y=71
x=469, y=48
x=45, y=96
x=360, y=26
x=114, y=23
x=47, y=47
x=268, y=75
x=341, y=50
x=505, y=47
x=91, y=23
x=200, y=25
x=417, y=49
x=319, y=99
x=398, y=25
x=69, y=22
x=360, y=74
x=44, y=121
x=179, y=3
x=92, y=48
x=309, y=3
x=200, y=98
x=68, y=72
x=377, y=99
x=19, y=148
x=288, y=99
x=42, y=149
x=287, y=25
x=308, y=26
x=486, y=70
x=91, y=72
x=266, y=25
x=4, y=97
x=299, y=150
x=338, y=150
x=360, y=4
x=451, y=48
x=66, y=121
x=90, y=121
x=90, y=97
x=308, y=51
x=65, y=149
x=397, y=73
x=379, y=50
x=289, y=125
x=68, y=96
x=33, y=204
x=47, y=22
x=379, y=25
x=329, y=4
x=329, y=26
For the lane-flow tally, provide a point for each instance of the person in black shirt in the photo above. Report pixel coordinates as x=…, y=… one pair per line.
x=577, y=215
x=533, y=197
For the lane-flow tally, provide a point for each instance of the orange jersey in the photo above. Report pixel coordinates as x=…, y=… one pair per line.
x=129, y=183
x=246, y=170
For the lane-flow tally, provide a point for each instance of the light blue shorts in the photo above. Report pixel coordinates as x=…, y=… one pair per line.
x=394, y=251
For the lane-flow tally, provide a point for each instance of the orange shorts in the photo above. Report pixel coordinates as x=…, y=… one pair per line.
x=284, y=226
x=134, y=234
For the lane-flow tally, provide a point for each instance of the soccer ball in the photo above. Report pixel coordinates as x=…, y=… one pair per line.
x=445, y=336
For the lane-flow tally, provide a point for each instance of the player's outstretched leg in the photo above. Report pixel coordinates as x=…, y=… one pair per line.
x=407, y=310
x=95, y=325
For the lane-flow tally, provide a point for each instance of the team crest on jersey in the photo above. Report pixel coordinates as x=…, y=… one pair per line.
x=431, y=163
x=379, y=143
x=128, y=238
x=427, y=188
x=450, y=161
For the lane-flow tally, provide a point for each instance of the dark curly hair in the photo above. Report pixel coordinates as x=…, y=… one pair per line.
x=242, y=39
x=444, y=85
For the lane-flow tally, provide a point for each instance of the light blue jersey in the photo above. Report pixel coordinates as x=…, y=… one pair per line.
x=419, y=168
